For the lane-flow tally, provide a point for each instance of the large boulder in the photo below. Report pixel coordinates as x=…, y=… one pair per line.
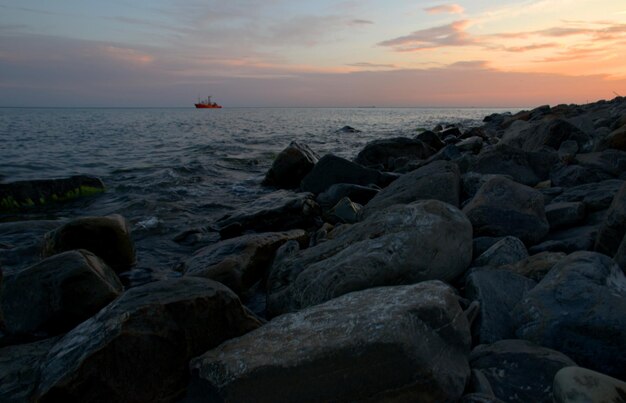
x=580, y=385
x=503, y=207
x=535, y=267
x=578, y=308
x=565, y=214
x=575, y=175
x=386, y=152
x=138, y=348
x=596, y=196
x=404, y=343
x=612, y=162
x=548, y=132
x=56, y=294
x=568, y=240
x=331, y=169
x=290, y=166
x=519, y=371
x=356, y=193
x=282, y=210
x=402, y=244
x=613, y=229
x=616, y=140
x=508, y=250
x=240, y=262
x=107, y=237
x=439, y=180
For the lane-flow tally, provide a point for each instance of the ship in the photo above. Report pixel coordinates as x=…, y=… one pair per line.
x=207, y=104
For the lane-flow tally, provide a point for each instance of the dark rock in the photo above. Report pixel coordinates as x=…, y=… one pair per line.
x=278, y=211
x=472, y=144
x=613, y=229
x=451, y=139
x=472, y=181
x=385, y=151
x=402, y=244
x=568, y=240
x=535, y=267
x=450, y=131
x=497, y=291
x=620, y=256
x=611, y=162
x=345, y=211
x=546, y=132
x=240, y=262
x=502, y=207
x=508, y=250
x=290, y=166
x=575, y=175
x=331, y=169
x=138, y=348
x=519, y=371
x=405, y=343
x=550, y=194
x=36, y=193
x=615, y=140
x=562, y=215
x=568, y=150
x=430, y=139
x=56, y=294
x=596, y=196
x=578, y=308
x=575, y=384
x=348, y=129
x=107, y=237
x=482, y=243
x=356, y=193
x=480, y=398
x=439, y=181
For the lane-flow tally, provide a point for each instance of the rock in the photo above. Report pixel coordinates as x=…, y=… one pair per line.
x=471, y=144
x=578, y=308
x=348, y=129
x=568, y=240
x=550, y=193
x=404, y=343
x=502, y=207
x=596, y=196
x=26, y=194
x=22, y=242
x=345, y=211
x=386, y=151
x=439, y=180
x=482, y=243
x=356, y=193
x=479, y=398
x=19, y=369
x=508, y=250
x=430, y=139
x=546, y=132
x=240, y=262
x=563, y=215
x=613, y=229
x=620, y=256
x=568, y=150
x=107, y=237
x=402, y=244
x=472, y=181
x=528, y=168
x=497, y=291
x=56, y=294
x=535, y=267
x=138, y=348
x=615, y=140
x=290, y=166
x=331, y=169
x=452, y=131
x=581, y=385
x=611, y=162
x=519, y=371
x=575, y=175
x=282, y=210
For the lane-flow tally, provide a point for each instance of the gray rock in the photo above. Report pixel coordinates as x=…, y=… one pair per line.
x=535, y=267
x=386, y=151
x=581, y=385
x=240, y=262
x=616, y=140
x=613, y=229
x=472, y=181
x=138, y=347
x=439, y=181
x=550, y=193
x=471, y=144
x=502, y=207
x=578, y=308
x=506, y=251
x=519, y=371
x=431, y=139
x=612, y=162
x=479, y=398
x=331, y=169
x=56, y=294
x=620, y=256
x=568, y=150
x=497, y=291
x=107, y=237
x=575, y=175
x=482, y=243
x=404, y=343
x=564, y=214
x=345, y=211
x=356, y=193
x=596, y=196
x=402, y=244
x=568, y=240
x=290, y=166
x=548, y=132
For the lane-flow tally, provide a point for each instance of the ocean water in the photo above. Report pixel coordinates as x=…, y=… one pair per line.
x=171, y=170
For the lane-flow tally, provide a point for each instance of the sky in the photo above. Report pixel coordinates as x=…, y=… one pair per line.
x=395, y=53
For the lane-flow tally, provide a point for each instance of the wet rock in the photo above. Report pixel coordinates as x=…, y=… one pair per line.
x=404, y=343
x=568, y=240
x=508, y=250
x=348, y=129
x=430, y=139
x=497, y=291
x=439, y=180
x=356, y=193
x=613, y=229
x=563, y=215
x=386, y=151
x=107, y=237
x=535, y=267
x=345, y=211
x=596, y=196
x=138, y=348
x=402, y=244
x=578, y=308
x=331, y=169
x=290, y=166
x=519, y=371
x=36, y=193
x=502, y=207
x=580, y=385
x=56, y=294
x=278, y=211
x=240, y=262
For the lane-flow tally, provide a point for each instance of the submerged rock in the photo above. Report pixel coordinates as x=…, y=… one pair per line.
x=290, y=166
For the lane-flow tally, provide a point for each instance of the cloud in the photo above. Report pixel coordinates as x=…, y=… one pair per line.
x=452, y=34
x=445, y=9
x=528, y=48
x=372, y=65
x=361, y=22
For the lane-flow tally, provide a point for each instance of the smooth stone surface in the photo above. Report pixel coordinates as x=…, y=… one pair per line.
x=403, y=343
x=57, y=293
x=613, y=229
x=138, y=348
x=535, y=267
x=385, y=152
x=578, y=308
x=508, y=250
x=290, y=166
x=402, y=244
x=564, y=214
x=581, y=385
x=356, y=193
x=107, y=237
x=596, y=196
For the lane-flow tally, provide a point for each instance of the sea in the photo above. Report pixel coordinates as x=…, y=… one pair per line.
x=172, y=172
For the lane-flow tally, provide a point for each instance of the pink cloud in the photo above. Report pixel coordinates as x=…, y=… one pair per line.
x=431, y=38
x=445, y=9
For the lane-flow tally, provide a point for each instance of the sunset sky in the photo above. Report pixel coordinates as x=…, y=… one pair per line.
x=314, y=53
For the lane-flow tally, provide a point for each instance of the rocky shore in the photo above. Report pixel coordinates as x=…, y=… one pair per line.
x=480, y=264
